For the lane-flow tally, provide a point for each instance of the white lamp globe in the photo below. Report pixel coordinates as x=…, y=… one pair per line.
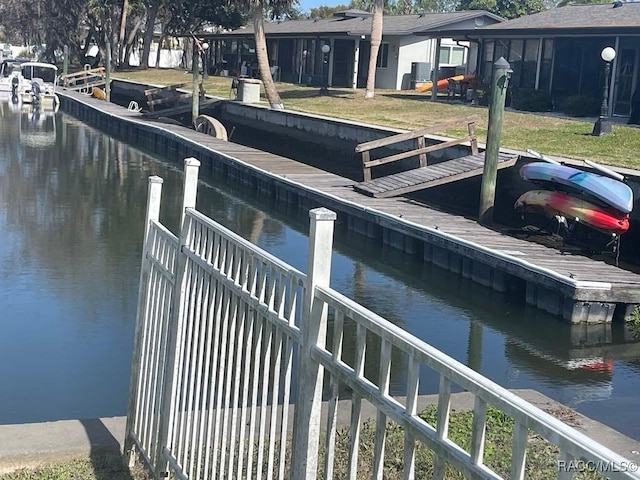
x=608, y=54
x=326, y=48
x=205, y=45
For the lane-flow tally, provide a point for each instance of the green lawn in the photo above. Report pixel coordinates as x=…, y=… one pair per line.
x=81, y=469
x=542, y=457
x=548, y=134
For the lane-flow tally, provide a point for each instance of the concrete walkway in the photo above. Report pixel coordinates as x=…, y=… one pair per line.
x=34, y=444
x=30, y=445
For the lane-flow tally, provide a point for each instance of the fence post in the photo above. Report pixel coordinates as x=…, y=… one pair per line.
x=154, y=195
x=191, y=166
x=313, y=324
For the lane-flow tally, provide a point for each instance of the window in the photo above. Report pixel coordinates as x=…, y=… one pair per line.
x=522, y=55
x=545, y=66
x=383, y=56
x=451, y=55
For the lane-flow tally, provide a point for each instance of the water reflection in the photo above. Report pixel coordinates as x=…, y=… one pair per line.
x=71, y=222
x=37, y=127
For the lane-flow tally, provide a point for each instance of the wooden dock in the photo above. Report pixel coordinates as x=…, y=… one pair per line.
x=424, y=175
x=575, y=287
x=431, y=175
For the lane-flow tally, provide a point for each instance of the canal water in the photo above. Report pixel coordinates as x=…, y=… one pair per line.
x=72, y=202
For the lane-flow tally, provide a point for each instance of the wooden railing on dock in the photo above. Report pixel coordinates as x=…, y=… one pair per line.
x=84, y=80
x=421, y=150
x=424, y=175
x=169, y=96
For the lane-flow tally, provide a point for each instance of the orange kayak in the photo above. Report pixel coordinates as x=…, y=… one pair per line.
x=444, y=82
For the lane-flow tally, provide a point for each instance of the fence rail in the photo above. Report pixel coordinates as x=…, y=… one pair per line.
x=234, y=350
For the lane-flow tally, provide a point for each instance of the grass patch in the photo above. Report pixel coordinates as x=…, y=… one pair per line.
x=541, y=456
x=81, y=469
x=551, y=135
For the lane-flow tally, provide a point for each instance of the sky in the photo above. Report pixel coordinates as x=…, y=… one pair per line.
x=307, y=5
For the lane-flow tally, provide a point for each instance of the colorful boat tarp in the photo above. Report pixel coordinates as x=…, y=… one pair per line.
x=551, y=203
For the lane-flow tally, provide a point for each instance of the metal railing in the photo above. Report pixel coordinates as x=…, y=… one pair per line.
x=234, y=350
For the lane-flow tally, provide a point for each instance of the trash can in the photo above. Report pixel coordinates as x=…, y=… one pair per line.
x=249, y=90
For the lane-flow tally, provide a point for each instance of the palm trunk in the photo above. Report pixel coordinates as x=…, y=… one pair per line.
x=123, y=24
x=376, y=39
x=130, y=39
x=148, y=34
x=270, y=91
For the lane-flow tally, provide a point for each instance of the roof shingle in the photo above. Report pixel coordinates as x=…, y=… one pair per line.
x=361, y=25
x=576, y=16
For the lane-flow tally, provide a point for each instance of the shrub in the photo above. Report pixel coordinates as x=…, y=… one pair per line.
x=530, y=100
x=581, y=106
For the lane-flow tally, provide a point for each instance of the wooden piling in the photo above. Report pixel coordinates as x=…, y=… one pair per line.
x=499, y=83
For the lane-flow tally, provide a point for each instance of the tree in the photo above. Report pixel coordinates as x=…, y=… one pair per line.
x=153, y=7
x=425, y=6
x=376, y=39
x=257, y=11
x=563, y=3
x=192, y=15
x=326, y=12
x=403, y=7
x=257, y=17
x=505, y=8
x=123, y=24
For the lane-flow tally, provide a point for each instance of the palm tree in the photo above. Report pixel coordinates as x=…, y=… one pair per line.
x=256, y=8
x=376, y=39
x=123, y=24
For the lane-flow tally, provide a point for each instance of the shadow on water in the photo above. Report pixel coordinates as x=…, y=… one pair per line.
x=106, y=452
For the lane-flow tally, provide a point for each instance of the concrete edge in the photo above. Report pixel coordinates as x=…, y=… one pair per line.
x=32, y=445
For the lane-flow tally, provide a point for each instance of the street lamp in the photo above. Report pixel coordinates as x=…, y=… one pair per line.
x=603, y=124
x=324, y=90
x=205, y=71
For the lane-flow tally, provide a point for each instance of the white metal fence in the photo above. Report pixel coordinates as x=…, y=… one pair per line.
x=229, y=339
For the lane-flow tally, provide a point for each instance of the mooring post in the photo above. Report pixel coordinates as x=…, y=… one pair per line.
x=107, y=71
x=313, y=325
x=499, y=83
x=195, y=99
x=65, y=59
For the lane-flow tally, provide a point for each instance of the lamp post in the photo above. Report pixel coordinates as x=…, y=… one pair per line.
x=603, y=124
x=324, y=90
x=205, y=70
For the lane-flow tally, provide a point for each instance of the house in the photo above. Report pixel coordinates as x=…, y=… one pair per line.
x=559, y=51
x=295, y=48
